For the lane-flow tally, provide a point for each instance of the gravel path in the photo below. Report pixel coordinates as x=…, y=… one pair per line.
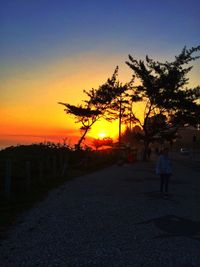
x=114, y=217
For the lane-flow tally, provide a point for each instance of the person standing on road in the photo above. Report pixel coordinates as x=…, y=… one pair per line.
x=164, y=170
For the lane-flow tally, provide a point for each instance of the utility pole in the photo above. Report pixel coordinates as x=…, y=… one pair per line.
x=120, y=119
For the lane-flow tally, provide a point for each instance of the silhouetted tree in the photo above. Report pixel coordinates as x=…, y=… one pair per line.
x=84, y=115
x=132, y=136
x=110, y=101
x=162, y=89
x=121, y=105
x=94, y=108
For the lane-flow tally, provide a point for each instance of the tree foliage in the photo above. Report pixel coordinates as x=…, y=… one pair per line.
x=96, y=105
x=163, y=88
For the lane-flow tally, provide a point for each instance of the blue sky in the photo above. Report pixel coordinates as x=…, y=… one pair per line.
x=35, y=29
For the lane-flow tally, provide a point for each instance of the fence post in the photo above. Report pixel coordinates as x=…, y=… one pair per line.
x=28, y=175
x=61, y=162
x=65, y=166
x=7, y=188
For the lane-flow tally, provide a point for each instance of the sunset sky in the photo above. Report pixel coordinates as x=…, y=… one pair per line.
x=50, y=50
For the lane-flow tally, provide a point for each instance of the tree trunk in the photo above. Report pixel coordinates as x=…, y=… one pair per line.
x=78, y=145
x=146, y=146
x=120, y=122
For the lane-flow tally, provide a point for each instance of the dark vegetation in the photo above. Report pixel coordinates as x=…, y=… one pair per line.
x=36, y=169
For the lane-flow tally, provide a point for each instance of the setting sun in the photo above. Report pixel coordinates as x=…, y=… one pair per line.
x=103, y=128
x=102, y=135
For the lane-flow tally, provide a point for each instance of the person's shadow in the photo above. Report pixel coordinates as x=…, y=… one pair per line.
x=174, y=226
x=155, y=195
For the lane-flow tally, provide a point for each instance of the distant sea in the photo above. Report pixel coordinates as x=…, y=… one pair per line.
x=14, y=140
